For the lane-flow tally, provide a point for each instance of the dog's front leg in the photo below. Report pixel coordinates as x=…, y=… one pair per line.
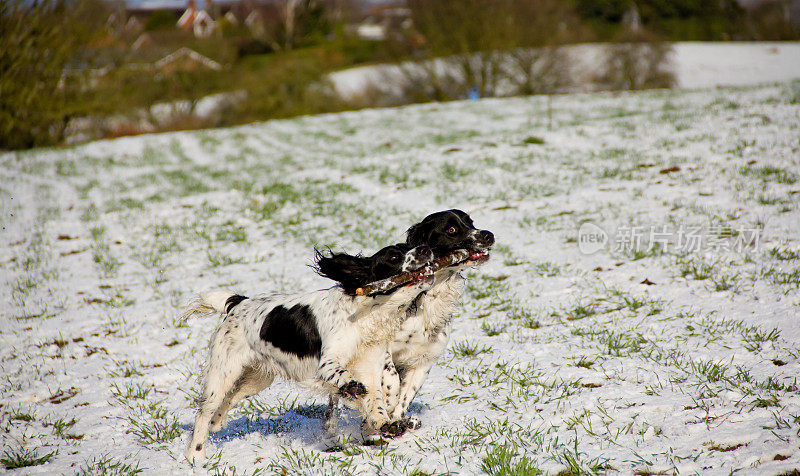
x=334, y=357
x=368, y=368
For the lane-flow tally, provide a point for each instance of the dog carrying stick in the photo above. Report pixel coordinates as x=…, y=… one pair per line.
x=398, y=280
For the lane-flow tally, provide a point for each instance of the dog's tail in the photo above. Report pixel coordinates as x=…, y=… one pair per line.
x=214, y=302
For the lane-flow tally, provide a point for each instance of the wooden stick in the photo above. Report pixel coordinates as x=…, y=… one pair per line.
x=384, y=285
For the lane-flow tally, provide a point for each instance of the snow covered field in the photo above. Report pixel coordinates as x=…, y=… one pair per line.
x=695, y=65
x=639, y=314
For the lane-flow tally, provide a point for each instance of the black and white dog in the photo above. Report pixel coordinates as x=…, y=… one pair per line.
x=424, y=334
x=330, y=339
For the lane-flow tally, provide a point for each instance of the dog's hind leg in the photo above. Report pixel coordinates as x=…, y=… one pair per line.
x=390, y=383
x=229, y=357
x=252, y=381
x=411, y=383
x=215, y=388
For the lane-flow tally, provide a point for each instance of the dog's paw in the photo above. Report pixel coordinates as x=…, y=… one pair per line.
x=393, y=429
x=353, y=389
x=374, y=439
x=411, y=423
x=195, y=452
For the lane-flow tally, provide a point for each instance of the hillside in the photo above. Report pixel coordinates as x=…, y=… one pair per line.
x=677, y=357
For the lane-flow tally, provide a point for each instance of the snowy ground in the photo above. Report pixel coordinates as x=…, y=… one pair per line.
x=695, y=65
x=569, y=355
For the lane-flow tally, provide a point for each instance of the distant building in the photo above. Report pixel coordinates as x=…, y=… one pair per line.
x=204, y=25
x=230, y=17
x=144, y=41
x=134, y=25
x=197, y=21
x=186, y=21
x=384, y=22
x=185, y=59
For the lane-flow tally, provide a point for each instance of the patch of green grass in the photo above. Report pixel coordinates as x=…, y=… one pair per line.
x=14, y=458
x=783, y=253
x=26, y=417
x=453, y=172
x=769, y=173
x=150, y=423
x=217, y=259
x=636, y=253
x=303, y=462
x=530, y=323
x=764, y=199
x=125, y=203
x=694, y=268
x=231, y=232
x=765, y=402
x=486, y=285
x=581, y=311
x=547, y=269
x=513, y=261
x=616, y=172
x=585, y=363
x=61, y=426
x=724, y=282
x=754, y=337
x=533, y=140
x=125, y=369
x=506, y=460
x=130, y=391
x=779, y=277
x=576, y=462
x=465, y=349
x=492, y=330
x=101, y=253
x=105, y=465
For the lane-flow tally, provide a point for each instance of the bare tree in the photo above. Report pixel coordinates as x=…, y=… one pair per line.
x=498, y=47
x=287, y=23
x=636, y=60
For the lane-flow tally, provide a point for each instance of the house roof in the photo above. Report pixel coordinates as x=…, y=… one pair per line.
x=187, y=55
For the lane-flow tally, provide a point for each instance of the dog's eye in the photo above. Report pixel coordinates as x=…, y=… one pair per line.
x=451, y=230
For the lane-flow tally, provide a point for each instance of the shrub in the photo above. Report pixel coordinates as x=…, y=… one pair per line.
x=39, y=41
x=636, y=60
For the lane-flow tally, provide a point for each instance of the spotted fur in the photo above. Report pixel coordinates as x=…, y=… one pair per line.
x=330, y=340
x=424, y=335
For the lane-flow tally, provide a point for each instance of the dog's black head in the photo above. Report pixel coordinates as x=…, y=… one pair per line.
x=448, y=231
x=354, y=272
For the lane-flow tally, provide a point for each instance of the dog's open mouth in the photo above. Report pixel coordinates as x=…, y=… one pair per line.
x=478, y=256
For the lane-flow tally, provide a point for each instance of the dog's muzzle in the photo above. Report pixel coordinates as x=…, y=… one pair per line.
x=419, y=257
x=484, y=239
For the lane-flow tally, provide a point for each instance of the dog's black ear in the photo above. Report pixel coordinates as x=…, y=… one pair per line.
x=319, y=255
x=417, y=235
x=352, y=272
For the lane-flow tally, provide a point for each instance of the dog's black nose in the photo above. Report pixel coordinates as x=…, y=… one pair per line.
x=485, y=237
